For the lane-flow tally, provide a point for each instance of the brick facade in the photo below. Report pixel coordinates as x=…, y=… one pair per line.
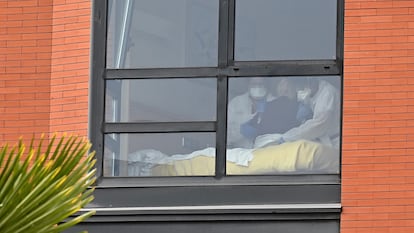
x=44, y=75
x=25, y=68
x=44, y=67
x=70, y=66
x=378, y=117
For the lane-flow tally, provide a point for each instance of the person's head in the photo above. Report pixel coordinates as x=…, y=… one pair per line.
x=258, y=88
x=286, y=88
x=306, y=87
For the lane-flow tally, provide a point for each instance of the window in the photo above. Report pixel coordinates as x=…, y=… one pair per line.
x=285, y=30
x=218, y=95
x=159, y=34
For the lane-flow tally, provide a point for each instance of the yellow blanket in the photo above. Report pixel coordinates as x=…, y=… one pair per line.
x=292, y=157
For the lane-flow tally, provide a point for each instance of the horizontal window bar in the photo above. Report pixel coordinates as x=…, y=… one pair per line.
x=194, y=217
x=285, y=208
x=311, y=179
x=284, y=68
x=217, y=195
x=161, y=73
x=257, y=68
x=160, y=127
x=288, y=63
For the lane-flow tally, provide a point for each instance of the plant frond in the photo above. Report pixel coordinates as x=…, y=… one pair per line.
x=40, y=191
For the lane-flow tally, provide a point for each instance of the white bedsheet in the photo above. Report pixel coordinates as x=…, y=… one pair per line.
x=141, y=162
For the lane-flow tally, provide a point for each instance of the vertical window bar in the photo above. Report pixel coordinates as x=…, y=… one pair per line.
x=230, y=31
x=222, y=90
x=223, y=33
x=340, y=35
x=340, y=61
x=221, y=140
x=97, y=90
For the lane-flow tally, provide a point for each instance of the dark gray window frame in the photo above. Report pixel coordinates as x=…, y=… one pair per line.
x=326, y=187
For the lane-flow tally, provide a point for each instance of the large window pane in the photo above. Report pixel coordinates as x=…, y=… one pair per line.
x=284, y=124
x=159, y=33
x=285, y=29
x=155, y=100
x=160, y=154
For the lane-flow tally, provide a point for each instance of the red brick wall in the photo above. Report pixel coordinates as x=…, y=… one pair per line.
x=378, y=124
x=70, y=66
x=25, y=68
x=44, y=67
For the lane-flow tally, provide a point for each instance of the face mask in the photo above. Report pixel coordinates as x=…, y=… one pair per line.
x=258, y=92
x=303, y=94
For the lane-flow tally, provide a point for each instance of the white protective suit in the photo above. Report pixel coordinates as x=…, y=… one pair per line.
x=239, y=112
x=323, y=127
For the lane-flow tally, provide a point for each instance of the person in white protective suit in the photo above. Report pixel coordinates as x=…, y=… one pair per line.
x=324, y=126
x=242, y=109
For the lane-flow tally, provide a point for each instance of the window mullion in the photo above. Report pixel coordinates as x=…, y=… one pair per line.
x=222, y=82
x=223, y=42
x=230, y=31
x=340, y=34
x=97, y=93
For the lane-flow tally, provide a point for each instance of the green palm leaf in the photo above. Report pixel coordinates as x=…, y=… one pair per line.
x=40, y=191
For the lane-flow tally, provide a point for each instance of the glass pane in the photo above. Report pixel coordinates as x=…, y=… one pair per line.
x=110, y=155
x=285, y=29
x=284, y=125
x=160, y=100
x=158, y=33
x=160, y=154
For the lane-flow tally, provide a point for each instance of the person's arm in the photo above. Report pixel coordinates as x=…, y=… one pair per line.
x=233, y=125
x=319, y=125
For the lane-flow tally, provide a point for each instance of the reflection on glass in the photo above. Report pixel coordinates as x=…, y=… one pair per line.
x=285, y=29
x=109, y=160
x=160, y=154
x=158, y=33
x=287, y=124
x=155, y=100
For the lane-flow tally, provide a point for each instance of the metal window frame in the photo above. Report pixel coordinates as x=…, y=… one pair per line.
x=226, y=68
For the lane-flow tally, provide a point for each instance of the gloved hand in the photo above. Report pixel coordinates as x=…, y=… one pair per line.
x=304, y=113
x=248, y=131
x=260, y=106
x=268, y=139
